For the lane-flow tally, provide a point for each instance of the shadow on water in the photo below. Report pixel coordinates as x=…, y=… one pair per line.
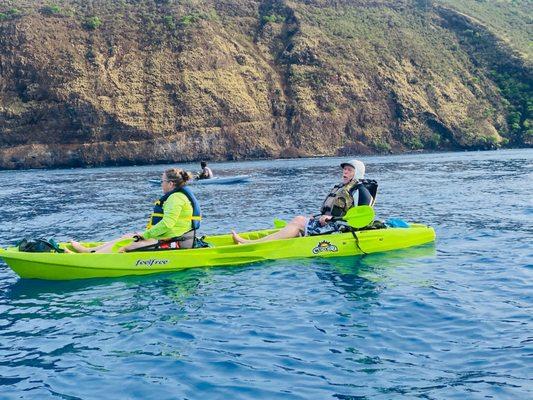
x=347, y=272
x=352, y=273
x=34, y=288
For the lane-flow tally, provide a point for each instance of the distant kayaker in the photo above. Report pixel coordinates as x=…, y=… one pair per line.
x=206, y=172
x=173, y=223
x=351, y=192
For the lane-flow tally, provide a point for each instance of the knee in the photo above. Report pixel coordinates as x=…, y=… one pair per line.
x=300, y=221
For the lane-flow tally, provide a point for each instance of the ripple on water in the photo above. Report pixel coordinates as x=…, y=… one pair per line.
x=446, y=321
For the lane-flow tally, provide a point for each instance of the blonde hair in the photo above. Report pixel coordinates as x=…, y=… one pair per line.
x=178, y=176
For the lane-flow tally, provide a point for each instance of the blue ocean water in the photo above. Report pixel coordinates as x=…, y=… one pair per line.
x=446, y=321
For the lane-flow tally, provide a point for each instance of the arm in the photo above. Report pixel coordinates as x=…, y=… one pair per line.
x=171, y=211
x=324, y=219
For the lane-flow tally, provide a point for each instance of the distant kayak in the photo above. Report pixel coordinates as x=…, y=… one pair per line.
x=217, y=180
x=222, y=180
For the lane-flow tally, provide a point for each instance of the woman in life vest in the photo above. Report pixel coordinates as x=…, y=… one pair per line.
x=173, y=222
x=351, y=192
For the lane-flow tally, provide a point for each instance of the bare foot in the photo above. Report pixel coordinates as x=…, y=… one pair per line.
x=237, y=239
x=79, y=247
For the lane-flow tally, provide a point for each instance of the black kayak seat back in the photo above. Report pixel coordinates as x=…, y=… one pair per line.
x=372, y=186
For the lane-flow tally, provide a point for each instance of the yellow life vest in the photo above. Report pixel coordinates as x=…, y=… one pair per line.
x=157, y=213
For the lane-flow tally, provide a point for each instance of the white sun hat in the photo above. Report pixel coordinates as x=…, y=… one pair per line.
x=358, y=166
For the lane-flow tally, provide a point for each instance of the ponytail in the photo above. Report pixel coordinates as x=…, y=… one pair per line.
x=178, y=176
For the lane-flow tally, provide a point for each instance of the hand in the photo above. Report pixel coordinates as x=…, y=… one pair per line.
x=323, y=220
x=137, y=237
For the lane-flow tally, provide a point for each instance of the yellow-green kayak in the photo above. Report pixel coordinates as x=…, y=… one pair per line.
x=65, y=266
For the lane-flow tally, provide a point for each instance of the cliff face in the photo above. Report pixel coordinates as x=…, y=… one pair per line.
x=160, y=81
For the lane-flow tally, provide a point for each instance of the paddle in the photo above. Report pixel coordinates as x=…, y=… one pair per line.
x=279, y=223
x=356, y=217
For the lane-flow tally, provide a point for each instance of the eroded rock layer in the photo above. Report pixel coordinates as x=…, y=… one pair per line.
x=113, y=83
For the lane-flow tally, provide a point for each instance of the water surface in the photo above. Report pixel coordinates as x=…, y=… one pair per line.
x=449, y=321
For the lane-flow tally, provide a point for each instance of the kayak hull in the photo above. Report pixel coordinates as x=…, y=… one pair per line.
x=217, y=180
x=67, y=266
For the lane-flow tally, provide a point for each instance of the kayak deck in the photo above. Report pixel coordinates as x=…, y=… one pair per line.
x=65, y=266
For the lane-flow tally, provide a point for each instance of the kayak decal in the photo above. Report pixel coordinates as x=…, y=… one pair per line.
x=323, y=246
x=150, y=262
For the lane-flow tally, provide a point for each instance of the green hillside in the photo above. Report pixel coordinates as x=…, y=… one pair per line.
x=144, y=81
x=511, y=20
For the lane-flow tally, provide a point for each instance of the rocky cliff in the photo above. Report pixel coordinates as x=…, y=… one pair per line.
x=85, y=83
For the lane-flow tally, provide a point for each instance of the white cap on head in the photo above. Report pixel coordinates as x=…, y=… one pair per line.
x=358, y=166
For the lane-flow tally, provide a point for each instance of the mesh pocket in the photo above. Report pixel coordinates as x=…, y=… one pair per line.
x=39, y=246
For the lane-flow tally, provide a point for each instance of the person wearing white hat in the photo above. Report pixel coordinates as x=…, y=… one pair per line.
x=358, y=166
x=351, y=192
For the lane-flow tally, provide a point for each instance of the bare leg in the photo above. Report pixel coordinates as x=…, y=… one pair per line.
x=79, y=248
x=103, y=248
x=136, y=245
x=292, y=229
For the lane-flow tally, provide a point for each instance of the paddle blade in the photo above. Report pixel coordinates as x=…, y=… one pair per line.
x=360, y=216
x=279, y=223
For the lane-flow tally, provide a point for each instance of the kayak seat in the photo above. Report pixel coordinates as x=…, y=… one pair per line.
x=374, y=225
x=199, y=243
x=187, y=241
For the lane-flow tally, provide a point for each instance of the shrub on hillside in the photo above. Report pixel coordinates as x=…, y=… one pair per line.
x=189, y=19
x=92, y=23
x=195, y=17
x=51, y=10
x=169, y=22
x=10, y=14
x=273, y=18
x=380, y=145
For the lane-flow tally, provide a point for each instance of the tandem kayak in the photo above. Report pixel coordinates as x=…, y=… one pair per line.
x=217, y=180
x=65, y=266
